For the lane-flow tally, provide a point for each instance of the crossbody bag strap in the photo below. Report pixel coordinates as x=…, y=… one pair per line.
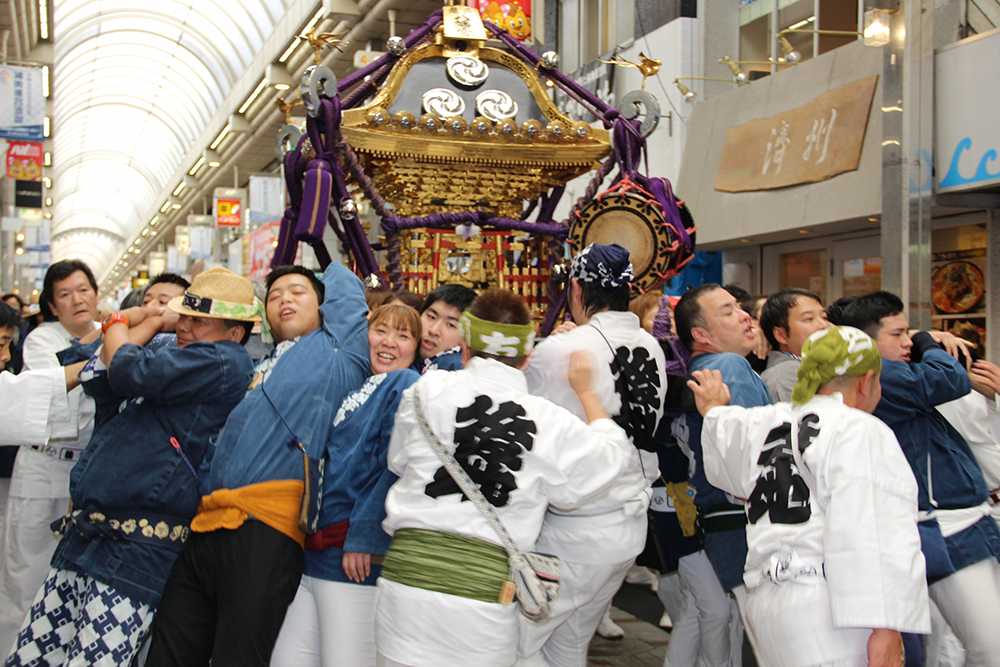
x=175, y=444
x=471, y=490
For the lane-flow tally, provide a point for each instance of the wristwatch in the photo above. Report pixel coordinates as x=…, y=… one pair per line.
x=113, y=318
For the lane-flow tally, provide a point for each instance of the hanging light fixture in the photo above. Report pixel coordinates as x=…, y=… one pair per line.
x=739, y=76
x=211, y=158
x=278, y=77
x=791, y=55
x=876, y=27
x=687, y=93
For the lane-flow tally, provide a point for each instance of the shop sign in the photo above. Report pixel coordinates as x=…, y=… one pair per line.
x=267, y=199
x=815, y=142
x=966, y=134
x=514, y=16
x=22, y=105
x=24, y=160
x=228, y=206
x=959, y=284
x=228, y=212
x=28, y=194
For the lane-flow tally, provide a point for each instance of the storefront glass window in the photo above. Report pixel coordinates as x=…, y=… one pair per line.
x=806, y=270
x=959, y=279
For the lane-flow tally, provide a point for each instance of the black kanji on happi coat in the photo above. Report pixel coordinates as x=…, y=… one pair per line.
x=780, y=492
x=637, y=382
x=489, y=444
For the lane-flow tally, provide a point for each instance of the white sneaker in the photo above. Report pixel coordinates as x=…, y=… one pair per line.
x=666, y=622
x=643, y=576
x=608, y=628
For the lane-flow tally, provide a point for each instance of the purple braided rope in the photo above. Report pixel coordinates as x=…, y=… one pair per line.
x=568, y=85
x=393, y=259
x=591, y=191
x=452, y=219
x=359, y=94
x=417, y=35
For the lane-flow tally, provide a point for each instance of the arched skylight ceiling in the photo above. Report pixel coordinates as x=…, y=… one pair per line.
x=135, y=84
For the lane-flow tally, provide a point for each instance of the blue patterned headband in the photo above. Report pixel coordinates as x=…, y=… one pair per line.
x=606, y=264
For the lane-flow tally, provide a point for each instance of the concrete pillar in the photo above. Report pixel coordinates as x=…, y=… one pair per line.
x=718, y=35
x=907, y=158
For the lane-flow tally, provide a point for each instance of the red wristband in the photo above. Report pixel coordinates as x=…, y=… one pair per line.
x=113, y=318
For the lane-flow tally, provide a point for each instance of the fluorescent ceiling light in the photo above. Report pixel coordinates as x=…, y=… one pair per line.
x=197, y=166
x=222, y=135
x=256, y=91
x=43, y=19
x=288, y=52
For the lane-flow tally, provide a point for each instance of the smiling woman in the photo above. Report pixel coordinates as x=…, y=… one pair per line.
x=393, y=332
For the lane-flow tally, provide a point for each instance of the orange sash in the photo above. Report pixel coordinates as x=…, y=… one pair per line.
x=274, y=503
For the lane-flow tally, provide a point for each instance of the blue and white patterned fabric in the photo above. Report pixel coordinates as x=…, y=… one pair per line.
x=606, y=264
x=76, y=621
x=449, y=360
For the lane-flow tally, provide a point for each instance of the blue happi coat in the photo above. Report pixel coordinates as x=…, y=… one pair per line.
x=357, y=478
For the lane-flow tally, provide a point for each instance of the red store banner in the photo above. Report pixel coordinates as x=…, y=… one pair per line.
x=24, y=160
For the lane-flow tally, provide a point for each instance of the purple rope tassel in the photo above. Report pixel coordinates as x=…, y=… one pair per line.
x=315, y=202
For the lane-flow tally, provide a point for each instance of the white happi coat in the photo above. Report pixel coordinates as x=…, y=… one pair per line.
x=594, y=535
x=832, y=558
x=39, y=485
x=32, y=402
x=38, y=475
x=977, y=419
x=554, y=459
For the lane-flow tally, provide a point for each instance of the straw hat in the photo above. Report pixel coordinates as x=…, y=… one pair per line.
x=221, y=294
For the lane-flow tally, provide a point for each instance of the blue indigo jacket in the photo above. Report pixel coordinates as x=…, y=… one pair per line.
x=131, y=465
x=357, y=477
x=299, y=399
x=948, y=476
x=727, y=550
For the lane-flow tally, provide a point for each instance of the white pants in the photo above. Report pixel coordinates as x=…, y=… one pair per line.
x=720, y=634
x=943, y=647
x=28, y=544
x=970, y=601
x=328, y=624
x=4, y=491
x=685, y=644
x=584, y=593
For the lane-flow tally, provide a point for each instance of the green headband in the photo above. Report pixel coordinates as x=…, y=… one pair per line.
x=833, y=353
x=501, y=340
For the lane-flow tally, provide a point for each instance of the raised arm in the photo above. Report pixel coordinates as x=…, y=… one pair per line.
x=135, y=325
x=344, y=306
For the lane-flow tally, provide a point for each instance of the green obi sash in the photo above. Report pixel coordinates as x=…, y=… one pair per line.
x=446, y=563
